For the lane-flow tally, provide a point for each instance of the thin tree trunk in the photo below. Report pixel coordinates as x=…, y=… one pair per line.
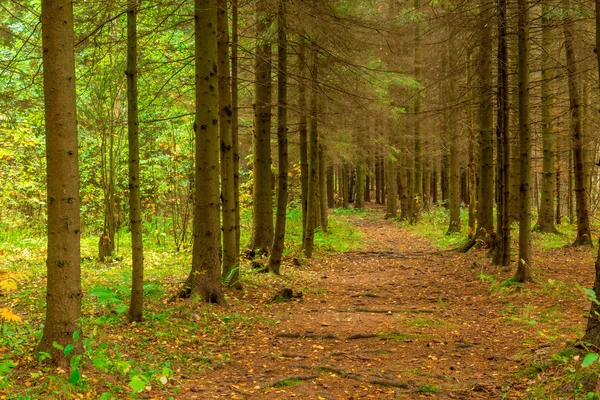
x=452, y=126
x=330, y=187
x=135, y=204
x=323, y=187
x=523, y=273
x=313, y=160
x=583, y=222
x=63, y=297
x=231, y=274
x=205, y=276
x=262, y=200
x=235, y=121
x=486, y=127
x=303, y=133
x=282, y=142
x=502, y=249
x=545, y=221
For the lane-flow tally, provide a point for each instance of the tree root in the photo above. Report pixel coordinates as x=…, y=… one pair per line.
x=294, y=335
x=365, y=379
x=289, y=378
x=384, y=311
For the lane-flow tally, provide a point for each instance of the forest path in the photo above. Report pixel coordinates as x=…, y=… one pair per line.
x=396, y=319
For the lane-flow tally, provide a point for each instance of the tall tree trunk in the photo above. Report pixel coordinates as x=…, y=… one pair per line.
x=545, y=222
x=486, y=127
x=592, y=331
x=205, y=276
x=453, y=137
x=313, y=160
x=235, y=120
x=471, y=163
x=523, y=273
x=359, y=203
x=303, y=134
x=502, y=249
x=330, y=187
x=418, y=149
x=63, y=296
x=323, y=187
x=282, y=141
x=390, y=169
x=583, y=221
x=231, y=274
x=262, y=197
x=135, y=204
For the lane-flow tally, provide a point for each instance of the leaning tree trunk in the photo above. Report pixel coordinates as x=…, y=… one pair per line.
x=592, y=331
x=583, y=221
x=313, y=161
x=135, y=204
x=205, y=276
x=262, y=201
x=545, y=222
x=523, y=273
x=63, y=295
x=231, y=274
x=282, y=142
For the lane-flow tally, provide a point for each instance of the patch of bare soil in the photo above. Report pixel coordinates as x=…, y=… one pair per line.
x=400, y=319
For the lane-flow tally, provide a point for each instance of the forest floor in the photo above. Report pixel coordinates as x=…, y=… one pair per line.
x=402, y=319
x=393, y=316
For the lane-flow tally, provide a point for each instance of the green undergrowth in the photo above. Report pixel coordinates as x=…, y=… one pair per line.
x=433, y=225
x=176, y=339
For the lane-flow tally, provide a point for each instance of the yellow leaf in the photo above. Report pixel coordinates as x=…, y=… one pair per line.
x=6, y=315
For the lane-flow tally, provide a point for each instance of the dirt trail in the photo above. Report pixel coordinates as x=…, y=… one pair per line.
x=396, y=320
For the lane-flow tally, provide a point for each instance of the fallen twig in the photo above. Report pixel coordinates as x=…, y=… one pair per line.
x=289, y=378
x=293, y=335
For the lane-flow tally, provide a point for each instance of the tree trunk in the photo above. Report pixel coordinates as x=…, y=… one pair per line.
x=231, y=274
x=323, y=187
x=453, y=137
x=502, y=249
x=313, y=160
x=390, y=169
x=545, y=222
x=359, y=203
x=523, y=273
x=135, y=204
x=205, y=276
x=418, y=148
x=235, y=121
x=486, y=127
x=262, y=200
x=592, y=330
x=282, y=142
x=330, y=187
x=63, y=295
x=471, y=163
x=303, y=133
x=583, y=222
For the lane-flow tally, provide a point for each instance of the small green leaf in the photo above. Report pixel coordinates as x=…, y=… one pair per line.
x=589, y=359
x=68, y=349
x=106, y=396
x=137, y=383
x=76, y=336
x=75, y=377
x=57, y=346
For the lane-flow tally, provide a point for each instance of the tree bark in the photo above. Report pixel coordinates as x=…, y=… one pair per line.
x=523, y=273
x=303, y=134
x=453, y=138
x=235, y=120
x=502, y=249
x=205, y=277
x=135, y=204
x=313, y=160
x=486, y=127
x=323, y=187
x=63, y=295
x=231, y=274
x=262, y=197
x=545, y=222
x=583, y=222
x=282, y=141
